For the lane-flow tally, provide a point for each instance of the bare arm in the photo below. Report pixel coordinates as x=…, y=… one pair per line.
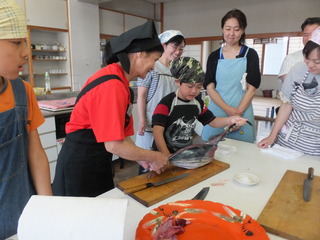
x=216, y=98
x=159, y=139
x=219, y=122
x=128, y=150
x=38, y=164
x=247, y=98
x=283, y=115
x=141, y=102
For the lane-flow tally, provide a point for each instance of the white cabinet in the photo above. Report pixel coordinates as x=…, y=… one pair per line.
x=262, y=106
x=47, y=132
x=47, y=13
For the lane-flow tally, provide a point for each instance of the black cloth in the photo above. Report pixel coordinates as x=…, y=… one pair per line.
x=137, y=39
x=84, y=167
x=253, y=69
x=178, y=117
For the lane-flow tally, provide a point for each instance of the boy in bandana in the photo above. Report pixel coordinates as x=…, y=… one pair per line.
x=174, y=119
x=24, y=167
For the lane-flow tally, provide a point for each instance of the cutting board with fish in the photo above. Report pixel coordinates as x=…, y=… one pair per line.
x=153, y=195
x=287, y=215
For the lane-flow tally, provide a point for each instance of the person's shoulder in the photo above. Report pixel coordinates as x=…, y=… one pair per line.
x=169, y=97
x=296, y=54
x=251, y=51
x=29, y=88
x=214, y=55
x=300, y=67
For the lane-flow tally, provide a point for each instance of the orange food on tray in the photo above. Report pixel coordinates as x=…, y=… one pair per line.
x=198, y=219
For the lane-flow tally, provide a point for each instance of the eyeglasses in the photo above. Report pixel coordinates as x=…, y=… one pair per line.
x=181, y=49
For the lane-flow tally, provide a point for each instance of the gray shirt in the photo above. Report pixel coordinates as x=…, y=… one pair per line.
x=296, y=75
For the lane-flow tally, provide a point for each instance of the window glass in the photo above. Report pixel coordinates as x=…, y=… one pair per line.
x=272, y=51
x=274, y=55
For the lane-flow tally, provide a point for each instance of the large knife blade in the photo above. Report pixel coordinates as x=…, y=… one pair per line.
x=153, y=184
x=202, y=194
x=307, y=185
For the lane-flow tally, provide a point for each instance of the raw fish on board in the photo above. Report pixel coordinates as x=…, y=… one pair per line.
x=198, y=155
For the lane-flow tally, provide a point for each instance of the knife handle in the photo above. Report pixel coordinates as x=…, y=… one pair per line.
x=137, y=188
x=310, y=173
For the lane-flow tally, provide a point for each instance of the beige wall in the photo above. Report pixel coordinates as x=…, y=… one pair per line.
x=202, y=18
x=199, y=18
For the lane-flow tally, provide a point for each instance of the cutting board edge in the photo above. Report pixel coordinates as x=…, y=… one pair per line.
x=221, y=166
x=279, y=233
x=272, y=228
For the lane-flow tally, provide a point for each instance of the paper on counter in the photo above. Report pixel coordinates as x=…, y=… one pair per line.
x=283, y=152
x=72, y=218
x=224, y=149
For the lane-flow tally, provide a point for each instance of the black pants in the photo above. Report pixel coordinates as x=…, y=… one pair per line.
x=84, y=167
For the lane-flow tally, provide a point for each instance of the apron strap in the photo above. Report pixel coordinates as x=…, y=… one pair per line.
x=245, y=55
x=242, y=47
x=19, y=90
x=103, y=79
x=95, y=83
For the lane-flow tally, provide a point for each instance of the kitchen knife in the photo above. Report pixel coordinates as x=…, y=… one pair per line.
x=307, y=185
x=202, y=194
x=154, y=184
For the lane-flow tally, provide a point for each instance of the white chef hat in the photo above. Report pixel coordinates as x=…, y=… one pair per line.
x=12, y=21
x=167, y=35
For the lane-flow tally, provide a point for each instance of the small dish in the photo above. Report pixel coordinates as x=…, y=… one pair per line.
x=246, y=179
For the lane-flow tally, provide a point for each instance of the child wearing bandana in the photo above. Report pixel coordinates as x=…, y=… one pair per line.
x=175, y=117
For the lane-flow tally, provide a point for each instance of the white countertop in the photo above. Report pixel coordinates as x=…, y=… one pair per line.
x=249, y=199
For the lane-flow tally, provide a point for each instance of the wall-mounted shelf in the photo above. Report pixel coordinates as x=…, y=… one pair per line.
x=55, y=62
x=42, y=74
x=54, y=51
x=49, y=59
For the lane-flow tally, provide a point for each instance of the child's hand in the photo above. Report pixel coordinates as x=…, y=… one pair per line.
x=141, y=128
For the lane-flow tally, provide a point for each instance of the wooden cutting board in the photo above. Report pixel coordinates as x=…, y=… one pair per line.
x=287, y=215
x=153, y=195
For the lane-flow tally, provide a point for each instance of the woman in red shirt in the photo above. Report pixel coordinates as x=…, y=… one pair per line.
x=101, y=122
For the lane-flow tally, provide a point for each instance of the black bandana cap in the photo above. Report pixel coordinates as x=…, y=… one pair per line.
x=187, y=70
x=138, y=39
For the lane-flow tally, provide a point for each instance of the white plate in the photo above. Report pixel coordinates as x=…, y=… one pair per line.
x=246, y=179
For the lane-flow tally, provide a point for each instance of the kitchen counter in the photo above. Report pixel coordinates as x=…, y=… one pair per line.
x=249, y=199
x=55, y=96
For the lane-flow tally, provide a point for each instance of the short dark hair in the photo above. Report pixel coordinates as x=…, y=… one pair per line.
x=242, y=19
x=177, y=40
x=310, y=46
x=310, y=21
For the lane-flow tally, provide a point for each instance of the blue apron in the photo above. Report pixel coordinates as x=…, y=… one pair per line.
x=15, y=183
x=229, y=73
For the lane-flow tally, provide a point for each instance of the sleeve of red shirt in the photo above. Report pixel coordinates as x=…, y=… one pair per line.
x=108, y=107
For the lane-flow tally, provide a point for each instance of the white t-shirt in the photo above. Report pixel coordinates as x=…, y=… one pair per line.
x=289, y=61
